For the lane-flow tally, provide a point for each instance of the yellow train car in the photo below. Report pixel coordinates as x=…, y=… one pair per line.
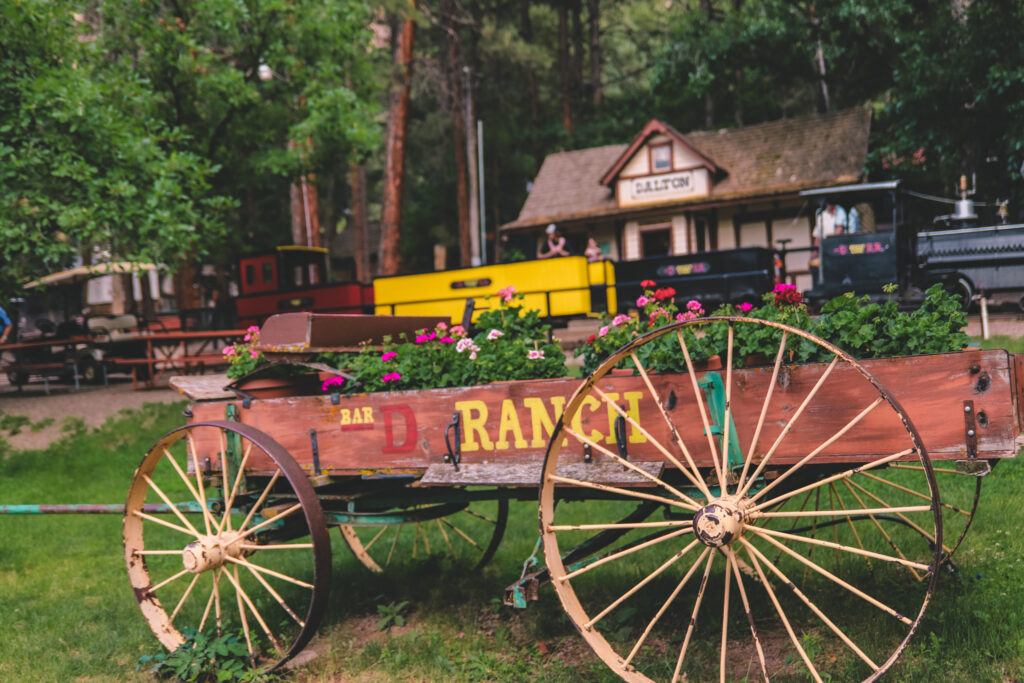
x=560, y=287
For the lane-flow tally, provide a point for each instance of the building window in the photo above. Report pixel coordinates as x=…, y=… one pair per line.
x=661, y=158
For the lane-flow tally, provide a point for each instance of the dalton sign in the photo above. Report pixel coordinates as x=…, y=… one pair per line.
x=666, y=186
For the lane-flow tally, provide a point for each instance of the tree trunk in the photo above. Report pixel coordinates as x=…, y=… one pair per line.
x=394, y=162
x=594, y=12
x=563, y=66
x=360, y=229
x=455, y=80
x=526, y=28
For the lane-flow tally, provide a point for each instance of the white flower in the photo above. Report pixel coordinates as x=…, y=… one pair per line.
x=472, y=356
x=534, y=354
x=494, y=334
x=463, y=344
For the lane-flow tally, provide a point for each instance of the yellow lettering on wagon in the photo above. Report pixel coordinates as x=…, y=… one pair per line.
x=356, y=416
x=577, y=420
x=509, y=423
x=542, y=425
x=474, y=427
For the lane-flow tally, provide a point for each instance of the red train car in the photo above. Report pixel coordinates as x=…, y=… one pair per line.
x=295, y=278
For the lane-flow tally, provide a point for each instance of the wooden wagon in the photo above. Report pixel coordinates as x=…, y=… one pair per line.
x=711, y=523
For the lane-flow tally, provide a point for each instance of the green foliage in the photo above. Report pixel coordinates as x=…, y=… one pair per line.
x=243, y=357
x=511, y=344
x=202, y=658
x=392, y=614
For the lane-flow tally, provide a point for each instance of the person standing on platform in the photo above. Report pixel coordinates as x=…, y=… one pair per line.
x=555, y=244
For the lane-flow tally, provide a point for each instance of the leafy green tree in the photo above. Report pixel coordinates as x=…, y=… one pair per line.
x=86, y=162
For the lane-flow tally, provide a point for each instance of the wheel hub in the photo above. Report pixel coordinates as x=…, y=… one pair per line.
x=720, y=522
x=211, y=552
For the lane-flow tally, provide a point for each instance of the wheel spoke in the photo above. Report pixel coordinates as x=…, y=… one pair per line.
x=734, y=563
x=280, y=601
x=723, y=482
x=835, y=477
x=269, y=572
x=241, y=612
x=693, y=616
x=622, y=553
x=764, y=412
x=191, y=448
x=244, y=596
x=785, y=621
x=376, y=536
x=754, y=554
x=168, y=580
x=849, y=521
x=260, y=500
x=622, y=492
x=168, y=456
x=916, y=494
x=267, y=522
x=620, y=525
x=172, y=506
x=447, y=541
x=719, y=469
x=761, y=531
x=665, y=605
x=691, y=473
x=813, y=454
x=842, y=512
x=279, y=546
x=214, y=577
x=184, y=596
x=835, y=579
x=896, y=511
x=627, y=464
x=234, y=490
x=394, y=543
x=169, y=525
x=885, y=534
x=643, y=582
x=723, y=649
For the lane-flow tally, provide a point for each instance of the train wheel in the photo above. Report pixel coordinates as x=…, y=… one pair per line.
x=241, y=549
x=816, y=558
x=467, y=534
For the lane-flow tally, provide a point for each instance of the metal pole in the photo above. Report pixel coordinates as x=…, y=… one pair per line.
x=474, y=208
x=983, y=304
x=480, y=184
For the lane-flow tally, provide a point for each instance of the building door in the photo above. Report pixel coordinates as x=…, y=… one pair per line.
x=656, y=242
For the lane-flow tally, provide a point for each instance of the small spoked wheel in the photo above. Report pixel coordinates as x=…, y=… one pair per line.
x=796, y=525
x=225, y=535
x=466, y=534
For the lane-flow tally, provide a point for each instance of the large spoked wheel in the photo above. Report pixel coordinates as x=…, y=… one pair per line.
x=816, y=558
x=223, y=533
x=465, y=534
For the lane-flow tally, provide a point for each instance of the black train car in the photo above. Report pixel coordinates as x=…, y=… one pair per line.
x=915, y=251
x=711, y=277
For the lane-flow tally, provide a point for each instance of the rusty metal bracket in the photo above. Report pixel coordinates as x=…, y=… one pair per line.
x=454, y=456
x=972, y=465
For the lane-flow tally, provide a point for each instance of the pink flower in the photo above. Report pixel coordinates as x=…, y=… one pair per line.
x=661, y=311
x=642, y=301
x=745, y=307
x=447, y=340
x=688, y=315
x=253, y=354
x=424, y=338
x=247, y=337
x=391, y=377
x=463, y=344
x=229, y=351
x=534, y=354
x=694, y=306
x=253, y=329
x=507, y=293
x=442, y=326
x=603, y=331
x=619, y=319
x=472, y=356
x=388, y=355
x=332, y=381
x=494, y=334
x=458, y=331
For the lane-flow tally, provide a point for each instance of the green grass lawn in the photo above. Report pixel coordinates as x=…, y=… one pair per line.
x=67, y=613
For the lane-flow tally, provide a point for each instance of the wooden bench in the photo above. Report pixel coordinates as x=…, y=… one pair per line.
x=156, y=366
x=16, y=371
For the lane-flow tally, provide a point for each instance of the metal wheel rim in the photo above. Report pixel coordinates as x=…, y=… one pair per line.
x=312, y=513
x=554, y=553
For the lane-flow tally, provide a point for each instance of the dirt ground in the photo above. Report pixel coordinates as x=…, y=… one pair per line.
x=93, y=404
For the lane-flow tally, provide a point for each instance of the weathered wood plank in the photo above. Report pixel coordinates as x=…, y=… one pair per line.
x=528, y=474
x=202, y=387
x=512, y=422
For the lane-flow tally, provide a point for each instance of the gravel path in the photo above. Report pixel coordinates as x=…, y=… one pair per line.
x=94, y=404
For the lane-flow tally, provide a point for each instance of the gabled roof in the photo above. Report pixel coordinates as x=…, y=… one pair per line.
x=764, y=160
x=653, y=127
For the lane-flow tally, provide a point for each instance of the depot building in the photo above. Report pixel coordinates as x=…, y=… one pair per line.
x=669, y=193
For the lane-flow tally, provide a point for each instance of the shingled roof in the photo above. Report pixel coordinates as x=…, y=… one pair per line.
x=764, y=160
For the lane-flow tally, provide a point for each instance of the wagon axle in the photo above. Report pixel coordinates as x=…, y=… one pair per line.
x=212, y=552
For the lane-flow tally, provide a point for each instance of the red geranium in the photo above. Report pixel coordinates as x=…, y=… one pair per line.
x=787, y=295
x=591, y=339
x=666, y=293
x=647, y=284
